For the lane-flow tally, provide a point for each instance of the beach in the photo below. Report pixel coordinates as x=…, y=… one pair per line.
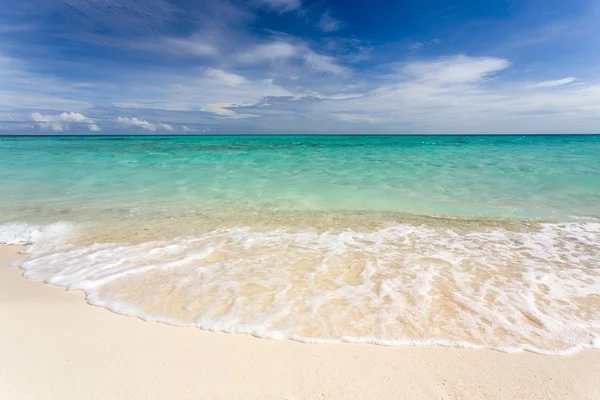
x=392, y=240
x=293, y=199
x=53, y=345
x=231, y=267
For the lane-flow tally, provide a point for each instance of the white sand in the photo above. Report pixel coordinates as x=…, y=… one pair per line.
x=53, y=345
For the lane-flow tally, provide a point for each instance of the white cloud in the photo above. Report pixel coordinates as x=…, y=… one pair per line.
x=144, y=125
x=60, y=122
x=223, y=111
x=166, y=127
x=202, y=130
x=21, y=88
x=355, y=118
x=452, y=95
x=282, y=5
x=276, y=50
x=554, y=83
x=419, y=44
x=214, y=92
x=193, y=46
x=196, y=45
x=226, y=78
x=329, y=24
x=324, y=63
x=458, y=69
x=336, y=96
x=281, y=51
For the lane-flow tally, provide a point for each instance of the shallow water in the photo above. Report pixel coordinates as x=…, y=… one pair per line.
x=523, y=176
x=450, y=240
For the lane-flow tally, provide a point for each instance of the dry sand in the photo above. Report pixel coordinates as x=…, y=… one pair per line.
x=53, y=345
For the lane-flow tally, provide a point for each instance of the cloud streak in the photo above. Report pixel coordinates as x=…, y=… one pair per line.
x=553, y=83
x=456, y=70
x=281, y=6
x=227, y=78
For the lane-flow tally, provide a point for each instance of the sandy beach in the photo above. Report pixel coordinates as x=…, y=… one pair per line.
x=298, y=200
x=53, y=345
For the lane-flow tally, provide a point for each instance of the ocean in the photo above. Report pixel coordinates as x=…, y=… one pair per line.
x=466, y=241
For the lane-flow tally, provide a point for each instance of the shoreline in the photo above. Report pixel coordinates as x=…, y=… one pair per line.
x=55, y=346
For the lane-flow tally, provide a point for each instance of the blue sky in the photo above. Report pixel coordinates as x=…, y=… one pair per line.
x=299, y=66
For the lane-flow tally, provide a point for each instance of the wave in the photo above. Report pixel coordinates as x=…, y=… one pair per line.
x=408, y=284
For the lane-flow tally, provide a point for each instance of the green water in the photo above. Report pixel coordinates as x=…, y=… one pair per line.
x=468, y=241
x=550, y=177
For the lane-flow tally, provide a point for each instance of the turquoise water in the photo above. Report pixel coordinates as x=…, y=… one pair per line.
x=551, y=177
x=467, y=241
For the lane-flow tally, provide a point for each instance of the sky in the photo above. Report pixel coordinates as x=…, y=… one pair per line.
x=299, y=66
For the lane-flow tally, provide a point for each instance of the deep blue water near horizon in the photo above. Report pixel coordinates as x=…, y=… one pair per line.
x=468, y=241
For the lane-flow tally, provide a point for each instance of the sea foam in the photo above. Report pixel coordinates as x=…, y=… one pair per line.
x=536, y=290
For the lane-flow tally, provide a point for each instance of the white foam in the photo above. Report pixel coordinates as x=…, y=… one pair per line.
x=403, y=285
x=42, y=236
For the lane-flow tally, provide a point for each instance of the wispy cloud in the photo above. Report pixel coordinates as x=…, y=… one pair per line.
x=15, y=28
x=226, y=110
x=553, y=83
x=187, y=129
x=131, y=16
x=324, y=63
x=353, y=118
x=419, y=44
x=281, y=5
x=327, y=23
x=194, y=46
x=281, y=51
x=211, y=93
x=276, y=50
x=457, y=69
x=227, y=78
x=22, y=88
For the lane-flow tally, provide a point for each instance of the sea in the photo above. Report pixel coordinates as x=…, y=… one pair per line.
x=475, y=241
